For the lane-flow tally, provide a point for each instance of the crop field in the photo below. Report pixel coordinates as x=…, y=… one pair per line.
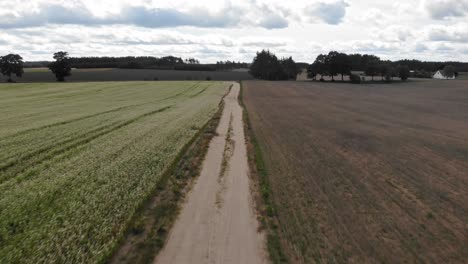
x=371, y=173
x=463, y=76
x=107, y=74
x=77, y=160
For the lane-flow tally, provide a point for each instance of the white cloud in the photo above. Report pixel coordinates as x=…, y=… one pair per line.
x=419, y=47
x=451, y=33
x=235, y=30
x=328, y=12
x=442, y=9
x=143, y=16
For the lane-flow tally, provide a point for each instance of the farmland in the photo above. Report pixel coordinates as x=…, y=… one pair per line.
x=371, y=173
x=108, y=74
x=78, y=159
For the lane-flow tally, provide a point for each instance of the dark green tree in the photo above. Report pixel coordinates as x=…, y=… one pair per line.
x=390, y=72
x=448, y=71
x=11, y=64
x=289, y=68
x=312, y=71
x=371, y=65
x=319, y=66
x=332, y=61
x=344, y=64
x=266, y=66
x=61, y=66
x=372, y=70
x=382, y=69
x=403, y=72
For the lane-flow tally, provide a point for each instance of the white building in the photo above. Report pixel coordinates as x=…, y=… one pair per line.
x=440, y=75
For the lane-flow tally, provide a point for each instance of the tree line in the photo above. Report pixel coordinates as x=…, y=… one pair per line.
x=335, y=63
x=230, y=65
x=13, y=64
x=146, y=62
x=267, y=66
x=128, y=62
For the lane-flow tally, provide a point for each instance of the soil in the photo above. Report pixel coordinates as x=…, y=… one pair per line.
x=373, y=173
x=218, y=223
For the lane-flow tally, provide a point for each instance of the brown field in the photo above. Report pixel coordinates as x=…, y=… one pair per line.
x=374, y=173
x=463, y=76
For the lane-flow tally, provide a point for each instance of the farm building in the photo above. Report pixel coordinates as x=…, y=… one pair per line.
x=440, y=75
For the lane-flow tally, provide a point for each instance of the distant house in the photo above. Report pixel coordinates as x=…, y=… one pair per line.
x=440, y=75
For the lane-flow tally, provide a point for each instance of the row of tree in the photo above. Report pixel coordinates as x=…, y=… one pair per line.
x=359, y=62
x=331, y=64
x=13, y=64
x=335, y=63
x=129, y=62
x=267, y=66
x=230, y=65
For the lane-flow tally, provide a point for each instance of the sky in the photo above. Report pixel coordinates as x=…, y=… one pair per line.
x=212, y=30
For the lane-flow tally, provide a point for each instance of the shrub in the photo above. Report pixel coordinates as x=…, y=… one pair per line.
x=388, y=78
x=354, y=78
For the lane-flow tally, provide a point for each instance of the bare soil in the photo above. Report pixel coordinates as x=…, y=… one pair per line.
x=366, y=173
x=217, y=223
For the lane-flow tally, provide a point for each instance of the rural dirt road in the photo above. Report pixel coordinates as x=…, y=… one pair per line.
x=217, y=223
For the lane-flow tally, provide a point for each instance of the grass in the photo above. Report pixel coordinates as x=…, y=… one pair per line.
x=79, y=160
x=149, y=227
x=373, y=173
x=40, y=69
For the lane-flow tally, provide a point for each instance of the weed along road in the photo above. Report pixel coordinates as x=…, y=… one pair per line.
x=217, y=223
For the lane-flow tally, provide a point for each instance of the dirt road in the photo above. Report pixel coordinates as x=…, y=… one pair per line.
x=217, y=223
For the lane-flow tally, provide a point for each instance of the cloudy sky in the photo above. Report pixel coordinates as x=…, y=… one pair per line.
x=212, y=30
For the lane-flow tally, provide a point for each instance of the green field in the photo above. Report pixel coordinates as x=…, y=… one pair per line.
x=77, y=160
x=41, y=69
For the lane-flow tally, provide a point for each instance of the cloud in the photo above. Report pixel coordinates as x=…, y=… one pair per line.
x=228, y=16
x=263, y=43
x=328, y=12
x=156, y=18
x=372, y=47
x=270, y=17
x=443, y=9
x=394, y=33
x=373, y=16
x=273, y=21
x=212, y=30
x=52, y=14
x=444, y=48
x=420, y=48
x=453, y=33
